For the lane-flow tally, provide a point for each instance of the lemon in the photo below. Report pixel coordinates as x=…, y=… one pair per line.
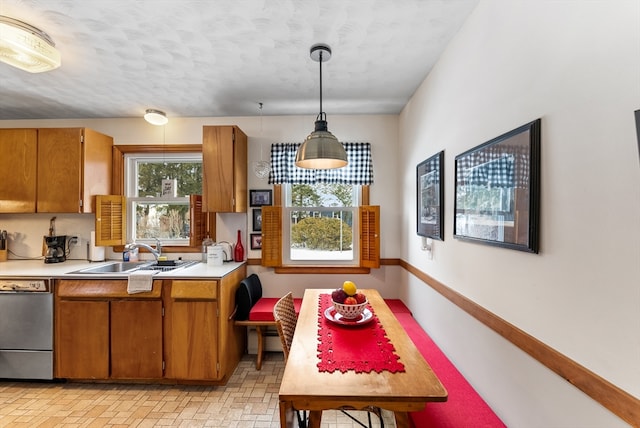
x=349, y=287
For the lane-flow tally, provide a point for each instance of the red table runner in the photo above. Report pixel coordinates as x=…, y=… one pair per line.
x=362, y=348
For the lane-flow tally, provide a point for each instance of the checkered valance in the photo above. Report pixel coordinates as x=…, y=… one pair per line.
x=359, y=170
x=495, y=167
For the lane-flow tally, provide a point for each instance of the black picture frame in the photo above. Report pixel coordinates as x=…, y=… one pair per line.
x=256, y=241
x=257, y=219
x=430, y=197
x=258, y=198
x=497, y=191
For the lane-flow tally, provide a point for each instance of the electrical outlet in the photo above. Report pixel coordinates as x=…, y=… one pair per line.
x=74, y=241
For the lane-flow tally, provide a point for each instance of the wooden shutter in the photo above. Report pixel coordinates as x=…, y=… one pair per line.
x=369, y=236
x=111, y=227
x=271, y=236
x=197, y=220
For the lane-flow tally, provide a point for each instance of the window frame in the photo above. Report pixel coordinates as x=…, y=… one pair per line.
x=118, y=184
x=287, y=208
x=131, y=170
x=272, y=248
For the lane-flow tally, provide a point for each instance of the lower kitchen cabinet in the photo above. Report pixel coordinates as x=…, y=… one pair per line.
x=191, y=326
x=82, y=340
x=201, y=340
x=102, y=332
x=136, y=339
x=185, y=326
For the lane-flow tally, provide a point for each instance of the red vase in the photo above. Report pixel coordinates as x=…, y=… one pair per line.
x=238, y=252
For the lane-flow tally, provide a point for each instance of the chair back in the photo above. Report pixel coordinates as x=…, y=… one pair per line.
x=247, y=294
x=284, y=313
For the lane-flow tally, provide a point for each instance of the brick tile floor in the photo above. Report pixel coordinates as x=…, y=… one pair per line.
x=249, y=400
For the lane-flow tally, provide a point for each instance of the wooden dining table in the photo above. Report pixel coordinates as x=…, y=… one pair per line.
x=305, y=387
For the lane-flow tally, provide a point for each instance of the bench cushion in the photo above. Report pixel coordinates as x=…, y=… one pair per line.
x=464, y=407
x=263, y=308
x=397, y=306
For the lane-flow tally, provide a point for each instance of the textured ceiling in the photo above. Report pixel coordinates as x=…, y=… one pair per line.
x=221, y=57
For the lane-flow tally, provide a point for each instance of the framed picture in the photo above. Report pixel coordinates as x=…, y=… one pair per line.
x=256, y=241
x=430, y=197
x=497, y=196
x=258, y=198
x=257, y=219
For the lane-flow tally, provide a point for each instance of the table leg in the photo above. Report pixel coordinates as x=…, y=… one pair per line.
x=315, y=418
x=402, y=419
x=283, y=414
x=260, y=334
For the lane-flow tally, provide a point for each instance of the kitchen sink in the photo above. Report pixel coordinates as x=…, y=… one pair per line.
x=168, y=265
x=127, y=267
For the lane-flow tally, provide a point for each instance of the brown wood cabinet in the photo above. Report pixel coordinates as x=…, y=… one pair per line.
x=18, y=153
x=201, y=341
x=102, y=332
x=224, y=169
x=53, y=170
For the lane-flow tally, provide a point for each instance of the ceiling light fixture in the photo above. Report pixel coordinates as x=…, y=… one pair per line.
x=156, y=117
x=27, y=47
x=321, y=149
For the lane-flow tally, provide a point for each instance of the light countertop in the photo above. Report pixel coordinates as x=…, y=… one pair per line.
x=38, y=269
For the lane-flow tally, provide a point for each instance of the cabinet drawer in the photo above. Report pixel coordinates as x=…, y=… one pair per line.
x=105, y=289
x=194, y=290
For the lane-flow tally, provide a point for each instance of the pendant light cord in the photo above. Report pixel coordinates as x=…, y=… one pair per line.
x=321, y=114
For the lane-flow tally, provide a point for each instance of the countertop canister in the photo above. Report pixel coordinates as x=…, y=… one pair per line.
x=214, y=255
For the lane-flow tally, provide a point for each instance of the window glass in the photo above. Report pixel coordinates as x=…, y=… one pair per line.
x=157, y=190
x=320, y=222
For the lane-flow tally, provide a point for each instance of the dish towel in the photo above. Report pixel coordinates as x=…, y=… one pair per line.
x=140, y=281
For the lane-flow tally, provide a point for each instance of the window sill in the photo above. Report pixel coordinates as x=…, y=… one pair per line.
x=321, y=270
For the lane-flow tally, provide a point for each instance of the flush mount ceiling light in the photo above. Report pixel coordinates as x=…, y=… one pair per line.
x=27, y=47
x=156, y=117
x=321, y=149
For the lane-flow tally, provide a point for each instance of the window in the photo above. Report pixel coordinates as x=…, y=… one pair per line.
x=318, y=224
x=157, y=189
x=320, y=218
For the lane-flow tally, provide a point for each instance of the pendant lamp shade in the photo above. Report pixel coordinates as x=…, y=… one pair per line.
x=321, y=149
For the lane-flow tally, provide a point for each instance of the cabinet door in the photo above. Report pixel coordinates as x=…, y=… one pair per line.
x=136, y=339
x=224, y=169
x=191, y=331
x=82, y=340
x=59, y=170
x=18, y=154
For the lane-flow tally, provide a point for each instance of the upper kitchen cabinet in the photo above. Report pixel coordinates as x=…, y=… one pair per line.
x=73, y=165
x=53, y=170
x=18, y=153
x=224, y=166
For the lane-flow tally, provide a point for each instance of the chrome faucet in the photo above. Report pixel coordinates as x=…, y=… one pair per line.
x=157, y=252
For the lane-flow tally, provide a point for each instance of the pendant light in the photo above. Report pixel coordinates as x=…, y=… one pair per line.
x=262, y=168
x=321, y=149
x=26, y=47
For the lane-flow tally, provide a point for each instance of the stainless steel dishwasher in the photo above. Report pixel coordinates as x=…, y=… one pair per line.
x=26, y=329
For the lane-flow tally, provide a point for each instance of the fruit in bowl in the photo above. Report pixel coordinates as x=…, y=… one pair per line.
x=348, y=302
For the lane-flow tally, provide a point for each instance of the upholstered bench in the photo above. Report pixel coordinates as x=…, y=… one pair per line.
x=464, y=407
x=253, y=310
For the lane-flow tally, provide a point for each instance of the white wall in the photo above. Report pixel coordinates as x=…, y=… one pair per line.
x=576, y=65
x=380, y=130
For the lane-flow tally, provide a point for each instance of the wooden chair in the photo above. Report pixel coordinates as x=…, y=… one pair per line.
x=284, y=313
